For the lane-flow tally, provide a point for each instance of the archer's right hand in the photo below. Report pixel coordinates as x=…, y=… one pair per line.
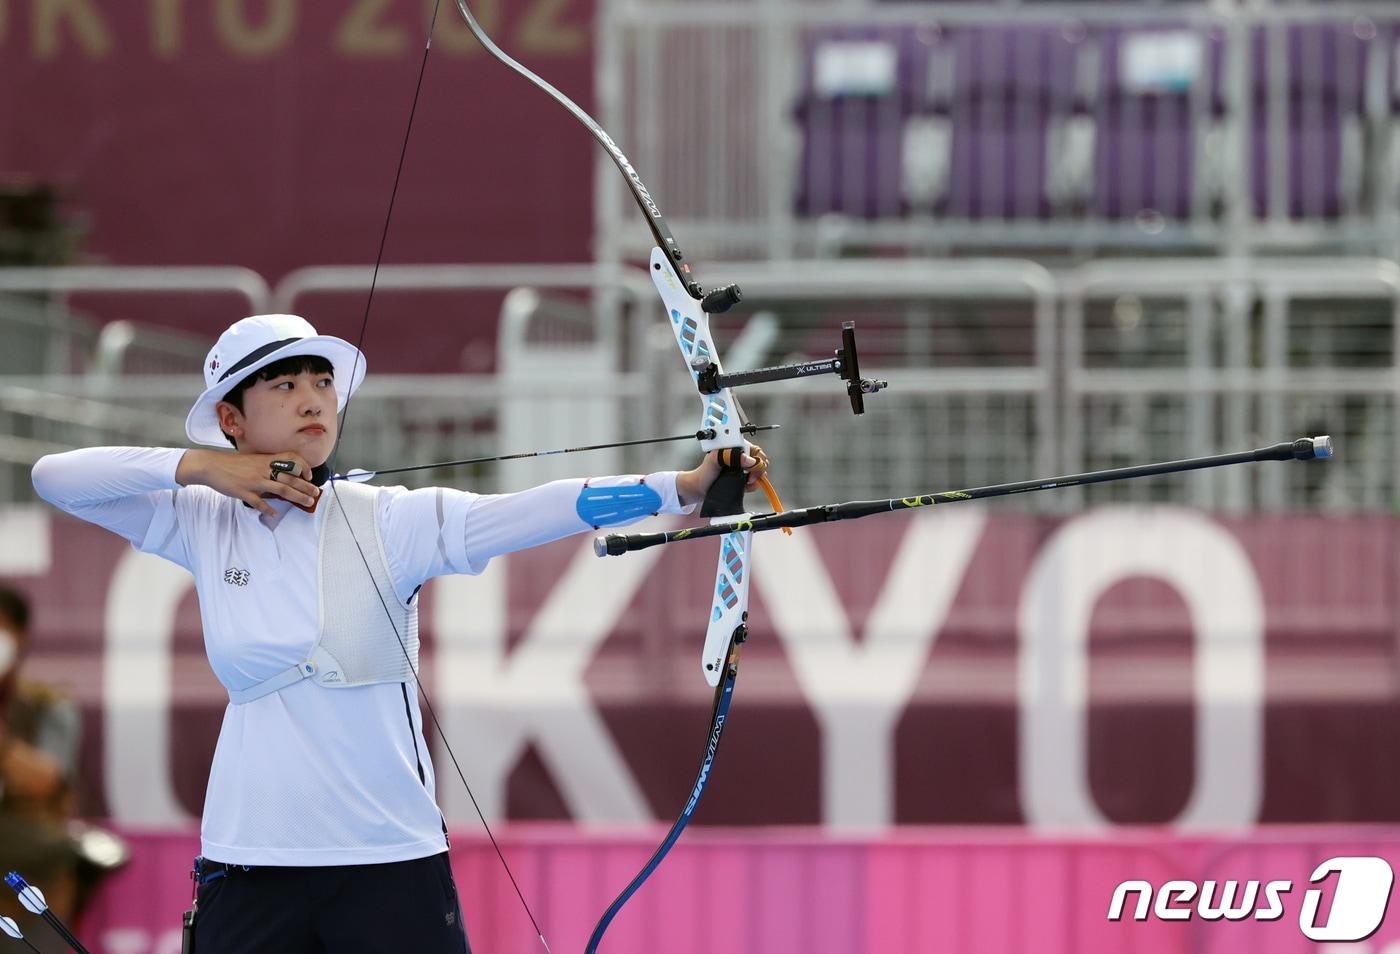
x=249, y=477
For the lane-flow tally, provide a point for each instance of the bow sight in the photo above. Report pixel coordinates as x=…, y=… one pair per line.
x=845, y=362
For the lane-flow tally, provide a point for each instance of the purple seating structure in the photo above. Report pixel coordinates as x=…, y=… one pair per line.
x=1150, y=128
x=1011, y=86
x=1322, y=95
x=862, y=87
x=1054, y=124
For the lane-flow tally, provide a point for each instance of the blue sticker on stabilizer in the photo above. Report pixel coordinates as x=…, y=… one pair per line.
x=610, y=506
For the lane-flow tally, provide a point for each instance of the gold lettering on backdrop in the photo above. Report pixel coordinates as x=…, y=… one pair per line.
x=363, y=33
x=82, y=21
x=454, y=36
x=272, y=33
x=543, y=30
x=165, y=27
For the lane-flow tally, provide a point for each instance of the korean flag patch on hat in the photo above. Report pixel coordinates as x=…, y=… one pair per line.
x=252, y=344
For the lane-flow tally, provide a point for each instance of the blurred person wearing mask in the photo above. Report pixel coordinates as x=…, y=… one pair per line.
x=321, y=829
x=40, y=736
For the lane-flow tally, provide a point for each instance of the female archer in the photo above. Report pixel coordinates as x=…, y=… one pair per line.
x=320, y=830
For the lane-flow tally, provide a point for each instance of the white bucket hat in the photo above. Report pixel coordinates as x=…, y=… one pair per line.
x=253, y=343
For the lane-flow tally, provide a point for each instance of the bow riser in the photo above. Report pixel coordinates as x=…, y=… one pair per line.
x=720, y=412
x=691, y=327
x=730, y=608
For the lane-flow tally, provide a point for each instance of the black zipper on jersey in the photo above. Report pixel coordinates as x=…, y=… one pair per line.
x=422, y=776
x=413, y=734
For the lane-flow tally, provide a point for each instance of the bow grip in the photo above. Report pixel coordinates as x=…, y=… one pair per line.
x=726, y=495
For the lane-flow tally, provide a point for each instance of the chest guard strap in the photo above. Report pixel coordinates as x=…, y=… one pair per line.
x=357, y=645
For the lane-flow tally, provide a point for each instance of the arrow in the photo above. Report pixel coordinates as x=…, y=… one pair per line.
x=359, y=476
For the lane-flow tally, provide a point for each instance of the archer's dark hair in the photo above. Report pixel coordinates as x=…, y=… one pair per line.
x=295, y=364
x=14, y=608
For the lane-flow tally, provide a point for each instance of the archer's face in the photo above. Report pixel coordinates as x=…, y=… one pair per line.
x=294, y=412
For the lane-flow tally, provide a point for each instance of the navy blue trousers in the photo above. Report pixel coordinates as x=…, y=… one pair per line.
x=340, y=909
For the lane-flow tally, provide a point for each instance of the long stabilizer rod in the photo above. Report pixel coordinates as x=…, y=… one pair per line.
x=1306, y=448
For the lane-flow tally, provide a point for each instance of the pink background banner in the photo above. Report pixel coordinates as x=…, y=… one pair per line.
x=992, y=891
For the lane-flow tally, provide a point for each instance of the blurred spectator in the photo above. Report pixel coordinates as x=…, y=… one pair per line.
x=39, y=736
x=40, y=742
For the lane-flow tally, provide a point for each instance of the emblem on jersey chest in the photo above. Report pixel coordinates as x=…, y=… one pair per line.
x=237, y=577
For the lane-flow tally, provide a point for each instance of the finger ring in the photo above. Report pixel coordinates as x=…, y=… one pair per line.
x=281, y=467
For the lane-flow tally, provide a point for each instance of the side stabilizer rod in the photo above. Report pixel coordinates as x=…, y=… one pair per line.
x=845, y=362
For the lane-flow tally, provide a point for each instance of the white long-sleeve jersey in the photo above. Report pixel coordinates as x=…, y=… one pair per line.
x=309, y=775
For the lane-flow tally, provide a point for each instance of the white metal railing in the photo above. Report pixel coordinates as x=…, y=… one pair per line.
x=36, y=420
x=1232, y=377
x=244, y=282
x=1000, y=370
x=42, y=335
x=302, y=282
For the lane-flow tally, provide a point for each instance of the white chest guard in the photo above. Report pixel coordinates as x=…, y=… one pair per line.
x=356, y=646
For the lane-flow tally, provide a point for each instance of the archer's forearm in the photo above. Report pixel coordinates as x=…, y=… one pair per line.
x=113, y=487
x=503, y=523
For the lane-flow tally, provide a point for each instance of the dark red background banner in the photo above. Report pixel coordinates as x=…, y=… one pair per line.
x=1328, y=700
x=265, y=133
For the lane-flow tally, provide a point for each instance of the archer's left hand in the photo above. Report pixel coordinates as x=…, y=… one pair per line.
x=692, y=485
